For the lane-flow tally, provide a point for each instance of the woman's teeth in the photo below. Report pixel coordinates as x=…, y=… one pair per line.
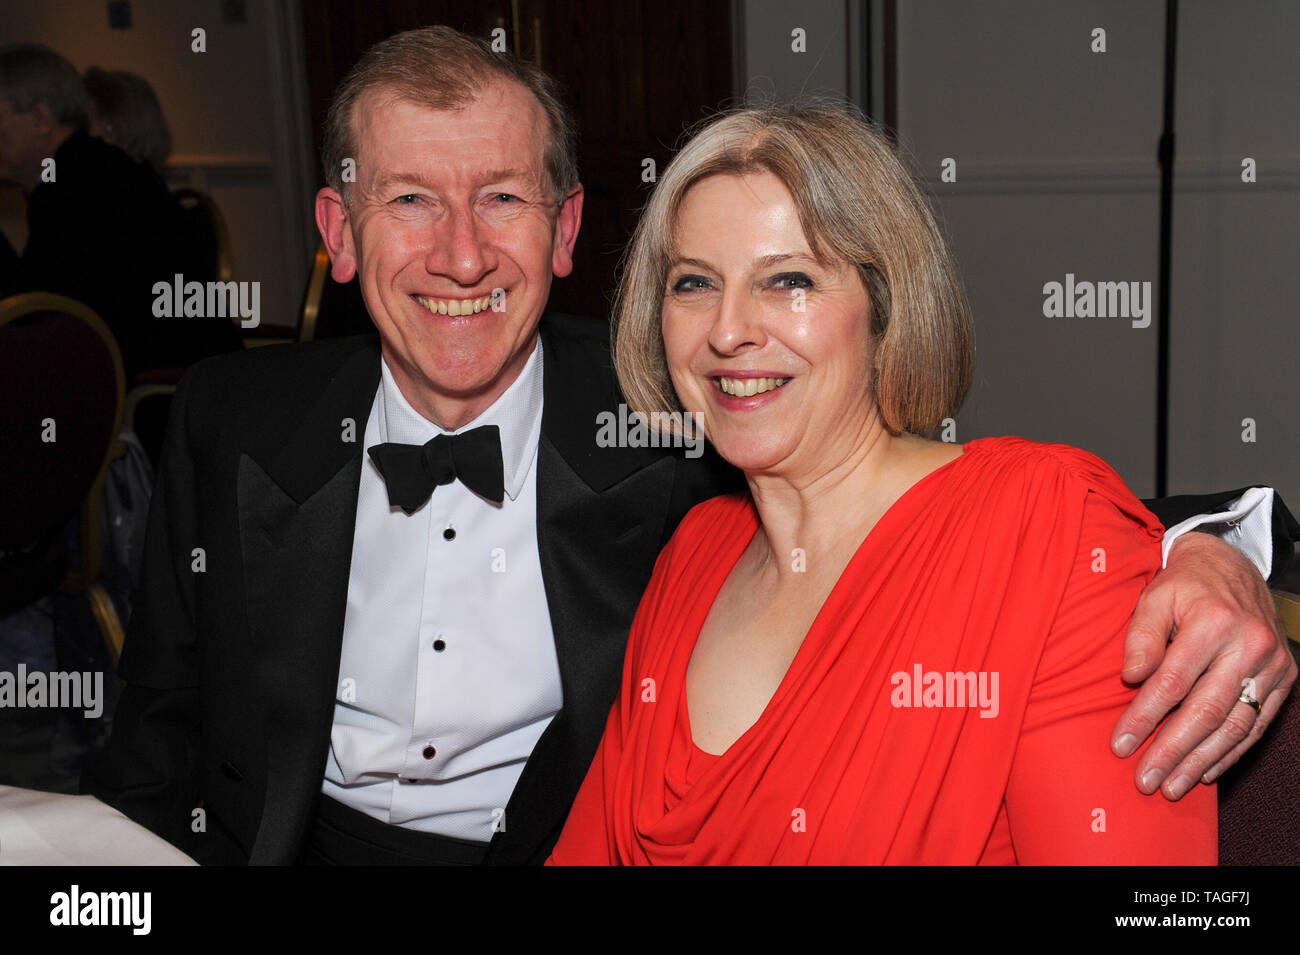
x=748, y=387
x=455, y=306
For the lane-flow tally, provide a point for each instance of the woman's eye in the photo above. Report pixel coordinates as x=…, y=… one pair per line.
x=504, y=198
x=791, y=280
x=690, y=283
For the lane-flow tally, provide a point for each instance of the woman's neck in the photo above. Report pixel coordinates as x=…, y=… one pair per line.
x=811, y=515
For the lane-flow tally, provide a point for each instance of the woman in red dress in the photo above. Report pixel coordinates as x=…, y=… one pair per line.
x=892, y=650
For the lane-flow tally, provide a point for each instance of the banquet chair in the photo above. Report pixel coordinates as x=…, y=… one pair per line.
x=147, y=409
x=1259, y=797
x=311, y=298
x=207, y=257
x=206, y=228
x=1288, y=608
x=61, y=396
x=331, y=310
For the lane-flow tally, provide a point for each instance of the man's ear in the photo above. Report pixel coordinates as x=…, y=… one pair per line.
x=566, y=232
x=336, y=232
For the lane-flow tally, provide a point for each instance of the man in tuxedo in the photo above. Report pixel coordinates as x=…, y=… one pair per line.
x=388, y=583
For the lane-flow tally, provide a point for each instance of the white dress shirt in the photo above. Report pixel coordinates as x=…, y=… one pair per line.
x=1246, y=524
x=448, y=674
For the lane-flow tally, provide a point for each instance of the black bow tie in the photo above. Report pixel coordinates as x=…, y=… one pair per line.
x=411, y=471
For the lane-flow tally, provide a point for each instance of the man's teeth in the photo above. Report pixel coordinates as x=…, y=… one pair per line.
x=456, y=306
x=748, y=387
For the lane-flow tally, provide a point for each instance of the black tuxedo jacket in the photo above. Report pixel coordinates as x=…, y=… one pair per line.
x=232, y=655
x=231, y=659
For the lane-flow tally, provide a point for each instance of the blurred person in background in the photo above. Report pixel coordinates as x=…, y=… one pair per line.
x=101, y=227
x=125, y=111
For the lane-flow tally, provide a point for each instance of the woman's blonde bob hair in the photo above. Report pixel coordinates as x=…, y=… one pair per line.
x=858, y=204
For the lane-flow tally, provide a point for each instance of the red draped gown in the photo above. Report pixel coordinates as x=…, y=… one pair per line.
x=1012, y=569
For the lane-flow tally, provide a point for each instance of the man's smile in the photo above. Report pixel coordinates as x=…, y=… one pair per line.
x=456, y=306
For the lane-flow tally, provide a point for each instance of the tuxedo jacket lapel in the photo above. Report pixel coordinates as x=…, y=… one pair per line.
x=600, y=517
x=297, y=513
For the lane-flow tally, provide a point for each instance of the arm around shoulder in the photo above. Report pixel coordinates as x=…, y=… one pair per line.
x=1070, y=800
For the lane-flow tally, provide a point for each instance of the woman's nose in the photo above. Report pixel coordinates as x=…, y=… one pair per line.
x=738, y=322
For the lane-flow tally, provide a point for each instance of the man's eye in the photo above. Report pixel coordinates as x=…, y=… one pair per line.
x=791, y=280
x=690, y=283
x=409, y=199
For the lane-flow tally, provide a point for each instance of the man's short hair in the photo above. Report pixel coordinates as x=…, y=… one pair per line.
x=31, y=74
x=444, y=69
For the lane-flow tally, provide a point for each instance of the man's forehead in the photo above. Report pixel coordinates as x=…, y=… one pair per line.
x=432, y=175
x=493, y=133
x=506, y=106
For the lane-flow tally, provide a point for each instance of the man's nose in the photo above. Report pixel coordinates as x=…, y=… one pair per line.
x=462, y=249
x=738, y=322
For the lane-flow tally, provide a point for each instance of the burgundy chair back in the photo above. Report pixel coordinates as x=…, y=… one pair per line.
x=1259, y=798
x=61, y=387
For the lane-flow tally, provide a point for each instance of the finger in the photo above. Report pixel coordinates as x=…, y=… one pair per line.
x=1199, y=716
x=1273, y=704
x=1183, y=662
x=1206, y=728
x=1148, y=634
x=1241, y=723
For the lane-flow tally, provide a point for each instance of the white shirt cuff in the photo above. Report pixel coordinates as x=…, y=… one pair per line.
x=1246, y=524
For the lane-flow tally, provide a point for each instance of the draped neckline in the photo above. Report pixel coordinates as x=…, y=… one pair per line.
x=747, y=528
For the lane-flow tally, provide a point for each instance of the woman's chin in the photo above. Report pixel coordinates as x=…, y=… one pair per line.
x=748, y=456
